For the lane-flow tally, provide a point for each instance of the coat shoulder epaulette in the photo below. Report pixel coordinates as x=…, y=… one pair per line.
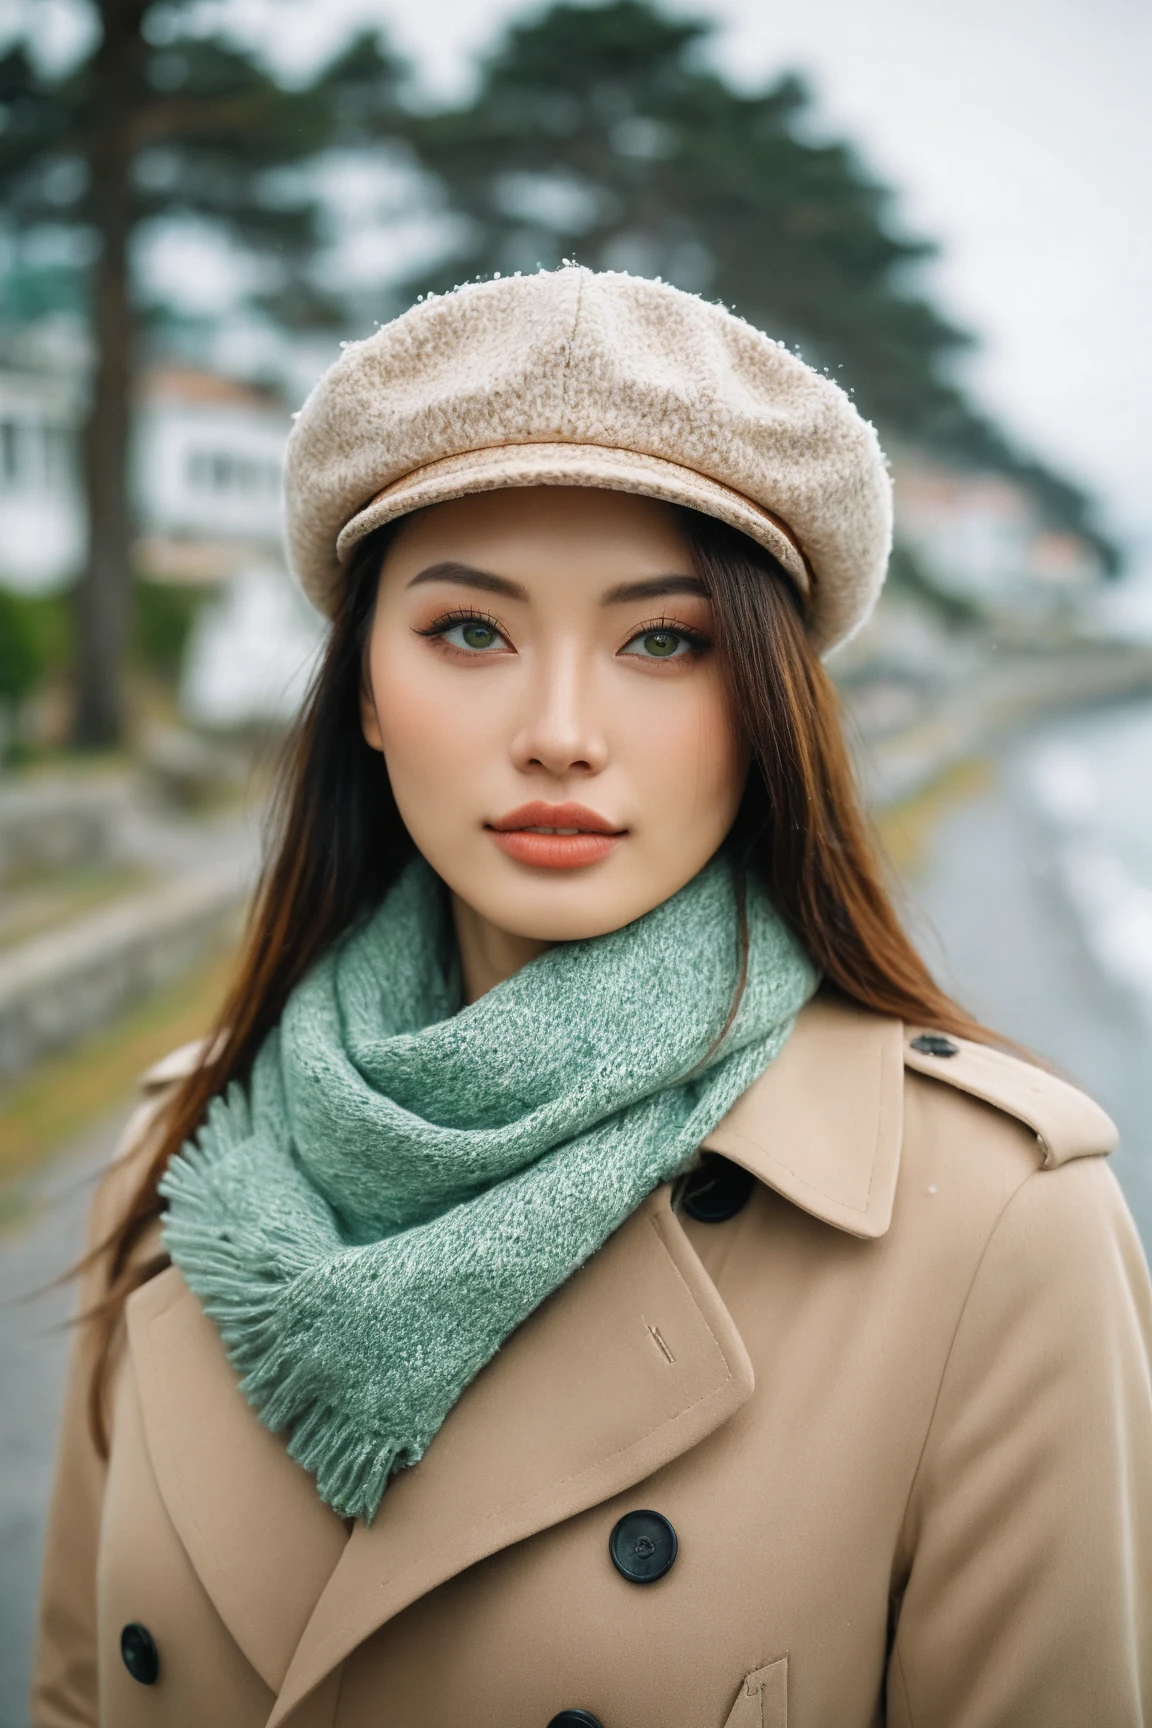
x=1066, y=1122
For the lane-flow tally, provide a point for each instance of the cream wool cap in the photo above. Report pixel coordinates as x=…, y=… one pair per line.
x=576, y=377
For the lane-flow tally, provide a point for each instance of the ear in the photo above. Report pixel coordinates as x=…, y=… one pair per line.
x=369, y=722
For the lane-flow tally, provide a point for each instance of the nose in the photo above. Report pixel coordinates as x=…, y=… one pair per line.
x=560, y=730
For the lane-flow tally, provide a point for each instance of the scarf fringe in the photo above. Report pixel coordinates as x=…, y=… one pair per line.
x=242, y=1277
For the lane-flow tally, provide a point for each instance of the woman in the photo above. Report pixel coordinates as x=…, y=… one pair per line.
x=593, y=1275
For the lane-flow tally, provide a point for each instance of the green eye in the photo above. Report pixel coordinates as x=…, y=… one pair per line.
x=478, y=635
x=660, y=643
x=472, y=634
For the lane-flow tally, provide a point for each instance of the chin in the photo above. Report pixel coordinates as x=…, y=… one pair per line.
x=573, y=925
x=566, y=906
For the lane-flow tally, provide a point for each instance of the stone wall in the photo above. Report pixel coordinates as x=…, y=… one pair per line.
x=59, y=823
x=63, y=986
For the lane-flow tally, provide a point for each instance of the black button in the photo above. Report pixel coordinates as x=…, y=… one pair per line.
x=141, y=1657
x=717, y=1190
x=935, y=1044
x=643, y=1546
x=574, y=1719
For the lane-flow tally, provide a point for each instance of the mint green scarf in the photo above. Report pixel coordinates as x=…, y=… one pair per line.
x=405, y=1179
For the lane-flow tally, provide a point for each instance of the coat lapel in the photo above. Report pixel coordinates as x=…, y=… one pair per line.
x=261, y=1540
x=631, y=1362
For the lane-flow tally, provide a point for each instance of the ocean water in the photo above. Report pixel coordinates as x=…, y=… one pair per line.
x=1034, y=908
x=1092, y=780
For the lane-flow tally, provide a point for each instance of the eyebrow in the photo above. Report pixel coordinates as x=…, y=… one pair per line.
x=655, y=588
x=625, y=593
x=449, y=570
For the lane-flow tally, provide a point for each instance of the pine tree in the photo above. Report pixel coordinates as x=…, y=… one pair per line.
x=158, y=122
x=601, y=134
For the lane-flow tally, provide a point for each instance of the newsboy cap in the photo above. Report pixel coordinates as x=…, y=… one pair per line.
x=576, y=377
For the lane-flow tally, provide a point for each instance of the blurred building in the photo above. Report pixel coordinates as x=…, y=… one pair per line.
x=251, y=652
x=207, y=463
x=208, y=460
x=982, y=539
x=207, y=467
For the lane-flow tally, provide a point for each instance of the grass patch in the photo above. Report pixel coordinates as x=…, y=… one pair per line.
x=61, y=1096
x=908, y=829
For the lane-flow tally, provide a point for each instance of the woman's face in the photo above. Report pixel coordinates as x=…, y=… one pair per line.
x=553, y=716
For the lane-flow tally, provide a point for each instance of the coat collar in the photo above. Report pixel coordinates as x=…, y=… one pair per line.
x=823, y=1125
x=629, y=1364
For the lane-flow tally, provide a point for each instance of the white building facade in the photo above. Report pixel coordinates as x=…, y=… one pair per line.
x=208, y=463
x=206, y=474
x=983, y=538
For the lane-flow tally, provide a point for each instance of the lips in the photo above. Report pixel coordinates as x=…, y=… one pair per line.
x=555, y=836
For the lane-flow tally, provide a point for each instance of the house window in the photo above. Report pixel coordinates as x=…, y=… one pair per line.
x=9, y=451
x=222, y=474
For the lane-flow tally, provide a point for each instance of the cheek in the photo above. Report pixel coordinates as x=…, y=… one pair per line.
x=436, y=729
x=687, y=750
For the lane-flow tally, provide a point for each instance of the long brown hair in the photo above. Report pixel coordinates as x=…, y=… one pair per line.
x=337, y=842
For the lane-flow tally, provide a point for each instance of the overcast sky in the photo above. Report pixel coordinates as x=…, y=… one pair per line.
x=1019, y=134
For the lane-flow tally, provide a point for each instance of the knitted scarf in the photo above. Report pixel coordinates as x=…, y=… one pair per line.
x=404, y=1179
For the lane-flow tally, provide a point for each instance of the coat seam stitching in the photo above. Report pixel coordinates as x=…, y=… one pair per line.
x=1021, y=1113
x=342, y=1673
x=687, y=1288
x=789, y=1170
x=903, y=1678
x=964, y=1306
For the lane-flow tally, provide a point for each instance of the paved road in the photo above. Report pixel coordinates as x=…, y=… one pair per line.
x=33, y=1348
x=993, y=908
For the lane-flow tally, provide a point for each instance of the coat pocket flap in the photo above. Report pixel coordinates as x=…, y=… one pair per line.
x=762, y=1701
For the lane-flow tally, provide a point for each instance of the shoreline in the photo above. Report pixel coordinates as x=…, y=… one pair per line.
x=992, y=907
x=1009, y=697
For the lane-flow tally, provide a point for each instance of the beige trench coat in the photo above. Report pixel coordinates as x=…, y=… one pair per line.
x=897, y=1410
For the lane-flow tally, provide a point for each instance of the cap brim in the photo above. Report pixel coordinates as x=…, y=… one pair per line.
x=560, y=464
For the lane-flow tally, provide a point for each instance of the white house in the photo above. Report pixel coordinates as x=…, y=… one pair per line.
x=206, y=472
x=207, y=459
x=983, y=537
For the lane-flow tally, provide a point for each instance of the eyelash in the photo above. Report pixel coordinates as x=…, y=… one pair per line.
x=465, y=615
x=698, y=643
x=695, y=639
